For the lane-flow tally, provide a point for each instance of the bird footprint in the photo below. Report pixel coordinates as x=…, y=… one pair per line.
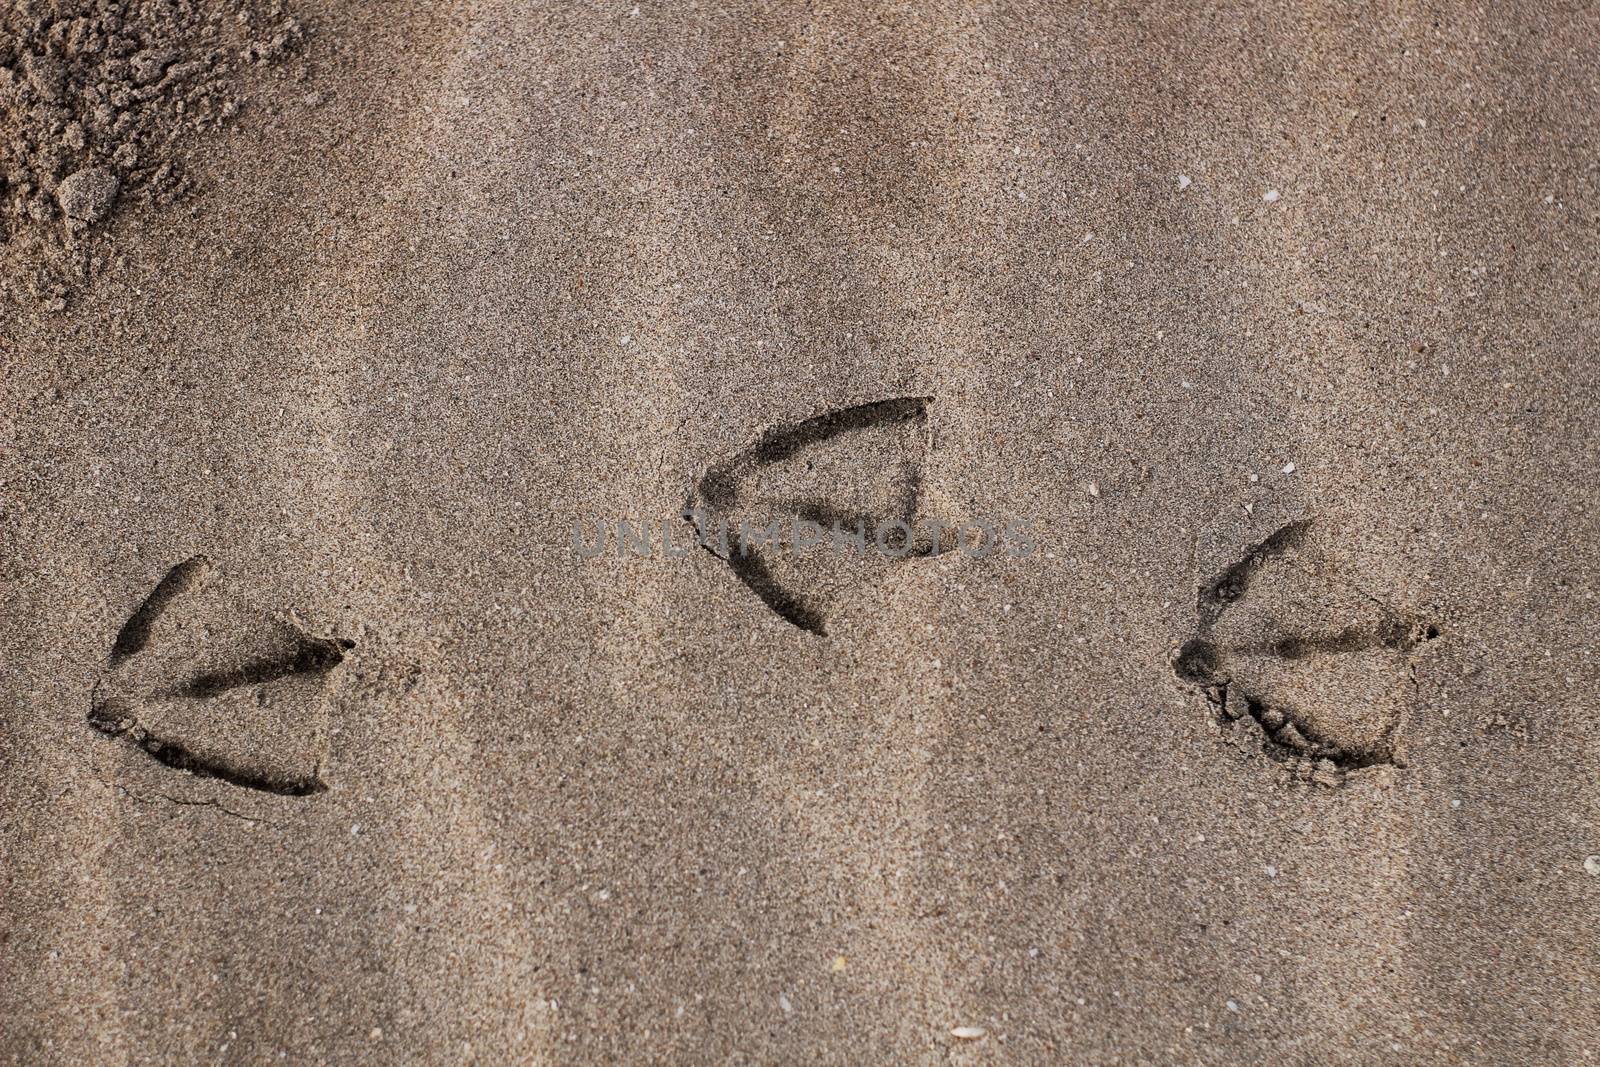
x=814, y=486
x=202, y=682
x=1287, y=649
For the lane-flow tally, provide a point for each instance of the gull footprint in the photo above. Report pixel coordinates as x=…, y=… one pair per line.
x=856, y=469
x=200, y=681
x=1286, y=648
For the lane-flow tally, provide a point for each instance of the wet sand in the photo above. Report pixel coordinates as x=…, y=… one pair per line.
x=1172, y=282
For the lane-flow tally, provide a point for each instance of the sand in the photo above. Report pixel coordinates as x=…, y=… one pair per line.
x=1274, y=327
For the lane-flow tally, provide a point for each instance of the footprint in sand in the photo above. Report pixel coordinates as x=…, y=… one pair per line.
x=857, y=469
x=202, y=682
x=1290, y=653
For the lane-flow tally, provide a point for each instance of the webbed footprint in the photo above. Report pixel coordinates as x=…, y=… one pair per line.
x=1285, y=644
x=201, y=681
x=813, y=511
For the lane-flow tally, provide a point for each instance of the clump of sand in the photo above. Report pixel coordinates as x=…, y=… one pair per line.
x=97, y=102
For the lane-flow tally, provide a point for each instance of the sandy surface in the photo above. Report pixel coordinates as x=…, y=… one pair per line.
x=1278, y=326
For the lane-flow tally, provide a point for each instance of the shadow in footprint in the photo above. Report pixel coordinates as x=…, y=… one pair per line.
x=797, y=516
x=1319, y=668
x=200, y=681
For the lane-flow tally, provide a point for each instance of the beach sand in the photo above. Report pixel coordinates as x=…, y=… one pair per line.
x=1276, y=327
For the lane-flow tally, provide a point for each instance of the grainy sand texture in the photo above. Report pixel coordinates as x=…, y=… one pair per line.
x=340, y=723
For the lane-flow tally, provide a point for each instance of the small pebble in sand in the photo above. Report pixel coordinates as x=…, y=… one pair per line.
x=1233, y=1006
x=1592, y=865
x=1183, y=182
x=1094, y=489
x=1288, y=468
x=967, y=1033
x=839, y=963
x=1271, y=196
x=87, y=195
x=783, y=1002
x=1272, y=872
